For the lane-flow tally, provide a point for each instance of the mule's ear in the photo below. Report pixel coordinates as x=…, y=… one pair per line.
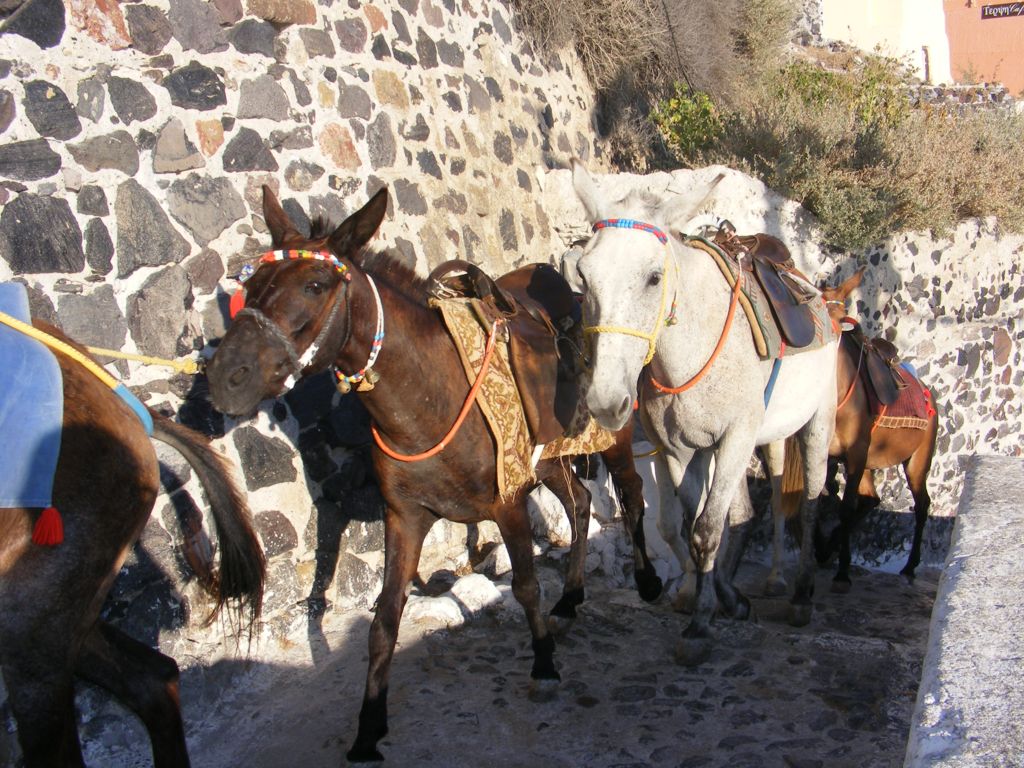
x=853, y=281
x=680, y=211
x=586, y=191
x=357, y=230
x=280, y=226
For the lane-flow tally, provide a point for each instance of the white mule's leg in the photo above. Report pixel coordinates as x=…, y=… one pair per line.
x=814, y=440
x=707, y=530
x=775, y=584
x=670, y=525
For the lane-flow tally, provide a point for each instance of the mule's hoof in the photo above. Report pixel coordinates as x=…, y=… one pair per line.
x=364, y=755
x=542, y=689
x=559, y=625
x=649, y=586
x=684, y=602
x=775, y=587
x=800, y=614
x=692, y=651
x=840, y=586
x=743, y=610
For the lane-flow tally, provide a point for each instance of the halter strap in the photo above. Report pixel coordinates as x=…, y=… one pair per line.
x=297, y=363
x=378, y=341
x=651, y=337
x=631, y=224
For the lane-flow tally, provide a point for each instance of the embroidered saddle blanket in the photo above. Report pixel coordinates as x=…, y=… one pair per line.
x=913, y=408
x=31, y=409
x=502, y=406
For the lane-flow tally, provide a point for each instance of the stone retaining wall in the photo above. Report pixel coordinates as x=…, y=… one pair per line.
x=134, y=140
x=970, y=698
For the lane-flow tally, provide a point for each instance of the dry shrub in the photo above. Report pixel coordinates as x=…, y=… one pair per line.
x=634, y=51
x=609, y=36
x=958, y=166
x=845, y=142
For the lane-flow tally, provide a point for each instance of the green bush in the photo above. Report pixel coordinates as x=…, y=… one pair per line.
x=688, y=121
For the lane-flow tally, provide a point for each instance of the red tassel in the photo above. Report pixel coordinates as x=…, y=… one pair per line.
x=49, y=530
x=237, y=302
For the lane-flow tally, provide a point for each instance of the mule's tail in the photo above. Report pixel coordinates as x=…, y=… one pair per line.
x=792, y=478
x=242, y=562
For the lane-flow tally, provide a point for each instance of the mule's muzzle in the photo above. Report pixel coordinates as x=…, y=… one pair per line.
x=611, y=413
x=239, y=379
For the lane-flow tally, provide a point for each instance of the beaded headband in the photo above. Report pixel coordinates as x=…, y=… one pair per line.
x=285, y=255
x=631, y=224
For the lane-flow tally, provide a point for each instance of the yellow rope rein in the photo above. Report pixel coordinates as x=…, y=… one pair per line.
x=185, y=365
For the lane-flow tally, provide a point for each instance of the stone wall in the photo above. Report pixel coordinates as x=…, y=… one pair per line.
x=134, y=140
x=967, y=703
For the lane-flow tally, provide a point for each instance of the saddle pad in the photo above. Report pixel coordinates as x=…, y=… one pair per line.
x=913, y=408
x=590, y=438
x=498, y=397
x=767, y=337
x=31, y=409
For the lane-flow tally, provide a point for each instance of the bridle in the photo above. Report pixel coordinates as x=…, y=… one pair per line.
x=651, y=337
x=365, y=377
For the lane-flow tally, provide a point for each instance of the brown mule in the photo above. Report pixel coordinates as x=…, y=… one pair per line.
x=303, y=315
x=862, y=447
x=106, y=482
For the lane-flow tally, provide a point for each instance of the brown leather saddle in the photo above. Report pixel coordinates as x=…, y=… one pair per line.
x=544, y=332
x=881, y=363
x=787, y=290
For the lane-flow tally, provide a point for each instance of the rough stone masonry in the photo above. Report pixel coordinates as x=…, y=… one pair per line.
x=135, y=138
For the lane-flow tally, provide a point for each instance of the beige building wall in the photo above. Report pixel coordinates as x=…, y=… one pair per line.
x=914, y=30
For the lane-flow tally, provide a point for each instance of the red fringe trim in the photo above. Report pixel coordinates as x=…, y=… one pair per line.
x=49, y=529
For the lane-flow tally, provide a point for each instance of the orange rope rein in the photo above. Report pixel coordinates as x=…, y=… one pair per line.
x=853, y=382
x=718, y=347
x=470, y=399
x=878, y=418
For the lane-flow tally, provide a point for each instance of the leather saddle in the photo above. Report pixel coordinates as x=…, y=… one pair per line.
x=787, y=290
x=544, y=333
x=881, y=363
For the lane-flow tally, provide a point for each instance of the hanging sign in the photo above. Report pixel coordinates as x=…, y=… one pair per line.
x=1002, y=11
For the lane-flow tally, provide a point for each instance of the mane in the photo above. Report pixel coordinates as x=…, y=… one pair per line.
x=393, y=268
x=385, y=265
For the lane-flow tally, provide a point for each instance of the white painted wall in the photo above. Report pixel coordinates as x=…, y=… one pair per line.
x=898, y=27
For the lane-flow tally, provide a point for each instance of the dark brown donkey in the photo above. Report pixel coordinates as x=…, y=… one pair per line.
x=106, y=482
x=302, y=315
x=863, y=446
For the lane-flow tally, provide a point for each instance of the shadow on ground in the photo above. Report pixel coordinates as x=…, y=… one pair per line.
x=839, y=692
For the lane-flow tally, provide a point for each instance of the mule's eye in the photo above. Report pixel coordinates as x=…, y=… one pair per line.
x=654, y=279
x=314, y=288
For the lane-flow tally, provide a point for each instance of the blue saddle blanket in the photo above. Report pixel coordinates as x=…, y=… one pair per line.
x=31, y=409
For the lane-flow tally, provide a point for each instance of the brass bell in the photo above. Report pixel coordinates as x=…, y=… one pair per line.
x=370, y=378
x=342, y=385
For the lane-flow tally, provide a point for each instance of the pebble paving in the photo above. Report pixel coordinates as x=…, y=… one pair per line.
x=838, y=692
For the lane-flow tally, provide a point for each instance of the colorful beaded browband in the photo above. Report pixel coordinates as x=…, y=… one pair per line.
x=285, y=255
